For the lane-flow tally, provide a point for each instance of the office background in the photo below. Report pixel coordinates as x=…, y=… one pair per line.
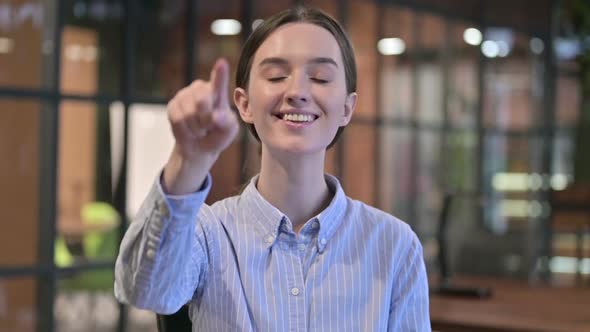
x=474, y=100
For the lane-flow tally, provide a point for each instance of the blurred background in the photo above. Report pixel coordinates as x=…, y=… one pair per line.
x=476, y=108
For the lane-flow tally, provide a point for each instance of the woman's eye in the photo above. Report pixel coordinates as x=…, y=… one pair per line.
x=319, y=80
x=276, y=79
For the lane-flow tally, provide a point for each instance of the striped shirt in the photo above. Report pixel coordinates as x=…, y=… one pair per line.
x=240, y=267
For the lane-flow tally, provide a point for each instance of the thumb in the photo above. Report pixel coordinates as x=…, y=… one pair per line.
x=220, y=81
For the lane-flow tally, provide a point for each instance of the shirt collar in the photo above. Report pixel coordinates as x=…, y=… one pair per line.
x=331, y=217
x=267, y=219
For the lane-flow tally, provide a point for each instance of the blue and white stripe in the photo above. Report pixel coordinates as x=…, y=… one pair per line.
x=241, y=267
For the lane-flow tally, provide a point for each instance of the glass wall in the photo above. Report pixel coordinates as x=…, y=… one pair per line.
x=448, y=107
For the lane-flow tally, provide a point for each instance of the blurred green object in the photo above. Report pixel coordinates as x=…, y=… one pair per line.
x=63, y=257
x=99, y=243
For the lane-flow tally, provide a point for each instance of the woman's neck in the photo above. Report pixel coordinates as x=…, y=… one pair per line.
x=295, y=185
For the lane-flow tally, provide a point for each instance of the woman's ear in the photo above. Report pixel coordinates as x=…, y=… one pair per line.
x=349, y=107
x=241, y=101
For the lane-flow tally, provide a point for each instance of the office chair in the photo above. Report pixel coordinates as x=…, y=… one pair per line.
x=446, y=286
x=177, y=322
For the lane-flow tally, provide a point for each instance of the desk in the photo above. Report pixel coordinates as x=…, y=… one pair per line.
x=515, y=306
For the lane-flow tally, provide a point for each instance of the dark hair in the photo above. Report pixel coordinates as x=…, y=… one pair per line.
x=293, y=15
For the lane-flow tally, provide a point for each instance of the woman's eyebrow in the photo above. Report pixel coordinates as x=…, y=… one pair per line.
x=273, y=61
x=284, y=62
x=324, y=60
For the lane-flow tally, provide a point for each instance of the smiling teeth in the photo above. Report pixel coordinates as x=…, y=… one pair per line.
x=298, y=117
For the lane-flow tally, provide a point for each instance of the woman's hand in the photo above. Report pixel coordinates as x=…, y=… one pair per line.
x=203, y=125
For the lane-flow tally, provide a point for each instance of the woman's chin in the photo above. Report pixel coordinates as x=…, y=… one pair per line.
x=298, y=148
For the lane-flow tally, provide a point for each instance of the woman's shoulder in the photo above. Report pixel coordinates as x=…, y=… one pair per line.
x=225, y=207
x=378, y=218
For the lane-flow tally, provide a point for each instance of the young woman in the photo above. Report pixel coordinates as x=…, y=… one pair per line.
x=292, y=252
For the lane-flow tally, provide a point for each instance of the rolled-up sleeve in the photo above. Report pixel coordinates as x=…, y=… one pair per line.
x=163, y=255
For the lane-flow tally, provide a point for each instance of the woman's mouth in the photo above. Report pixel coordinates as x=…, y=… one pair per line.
x=296, y=120
x=297, y=117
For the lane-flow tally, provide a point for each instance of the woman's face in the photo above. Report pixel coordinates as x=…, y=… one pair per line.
x=296, y=95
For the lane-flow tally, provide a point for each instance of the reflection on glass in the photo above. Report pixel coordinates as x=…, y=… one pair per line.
x=22, y=46
x=463, y=96
x=19, y=169
x=79, y=60
x=362, y=31
x=149, y=146
x=396, y=72
x=395, y=166
x=161, y=48
x=430, y=92
x=85, y=302
x=398, y=22
x=463, y=90
x=87, y=221
x=429, y=194
x=432, y=32
x=18, y=304
x=563, y=154
x=511, y=156
x=459, y=155
x=359, y=158
x=210, y=46
x=509, y=100
x=429, y=71
x=396, y=89
x=226, y=173
x=567, y=100
x=91, y=49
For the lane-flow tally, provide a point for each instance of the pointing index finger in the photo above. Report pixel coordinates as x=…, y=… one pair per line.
x=220, y=81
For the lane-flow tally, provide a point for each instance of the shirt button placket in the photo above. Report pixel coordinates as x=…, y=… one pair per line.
x=296, y=291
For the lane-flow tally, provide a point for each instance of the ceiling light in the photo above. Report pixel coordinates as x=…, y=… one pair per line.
x=226, y=27
x=490, y=49
x=503, y=48
x=391, y=46
x=537, y=45
x=472, y=36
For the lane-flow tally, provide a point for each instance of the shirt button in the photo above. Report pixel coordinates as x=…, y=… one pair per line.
x=302, y=246
x=295, y=291
x=270, y=239
x=323, y=241
x=315, y=225
x=163, y=209
x=151, y=253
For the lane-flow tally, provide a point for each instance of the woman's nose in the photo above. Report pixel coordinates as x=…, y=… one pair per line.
x=298, y=91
